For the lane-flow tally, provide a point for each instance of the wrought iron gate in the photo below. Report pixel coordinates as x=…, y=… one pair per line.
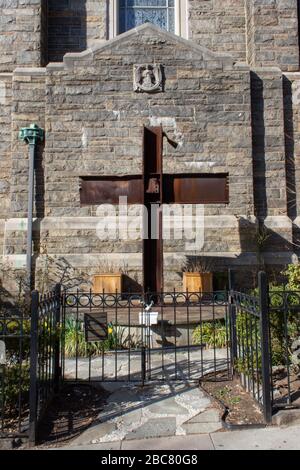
x=157, y=336
x=83, y=336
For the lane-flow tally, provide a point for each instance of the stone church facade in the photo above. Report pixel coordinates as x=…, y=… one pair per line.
x=227, y=91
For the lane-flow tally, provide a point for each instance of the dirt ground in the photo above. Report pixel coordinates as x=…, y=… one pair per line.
x=282, y=386
x=71, y=412
x=243, y=409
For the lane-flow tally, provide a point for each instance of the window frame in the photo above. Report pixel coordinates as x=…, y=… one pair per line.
x=181, y=19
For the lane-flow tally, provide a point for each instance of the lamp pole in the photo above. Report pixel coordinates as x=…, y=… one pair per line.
x=30, y=135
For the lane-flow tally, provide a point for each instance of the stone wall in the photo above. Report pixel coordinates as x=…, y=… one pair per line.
x=269, y=160
x=268, y=142
x=5, y=142
x=20, y=38
x=292, y=140
x=74, y=25
x=27, y=101
x=291, y=88
x=225, y=118
x=205, y=107
x=94, y=123
x=5, y=150
x=93, y=119
x=272, y=33
x=219, y=25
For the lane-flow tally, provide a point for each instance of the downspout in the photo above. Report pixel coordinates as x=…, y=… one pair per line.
x=31, y=136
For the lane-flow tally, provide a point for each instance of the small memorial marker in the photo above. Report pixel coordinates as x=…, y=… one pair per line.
x=95, y=326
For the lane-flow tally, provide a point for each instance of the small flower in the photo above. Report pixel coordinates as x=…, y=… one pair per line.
x=110, y=330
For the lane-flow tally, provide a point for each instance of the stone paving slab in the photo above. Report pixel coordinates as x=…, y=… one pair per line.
x=153, y=428
x=203, y=423
x=171, y=443
x=189, y=365
x=170, y=406
x=271, y=438
x=209, y=416
x=155, y=410
x=116, y=445
x=201, y=428
x=287, y=417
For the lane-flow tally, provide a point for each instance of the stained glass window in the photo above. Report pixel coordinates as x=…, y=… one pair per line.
x=133, y=13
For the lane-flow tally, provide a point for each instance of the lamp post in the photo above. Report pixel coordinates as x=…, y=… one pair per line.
x=30, y=135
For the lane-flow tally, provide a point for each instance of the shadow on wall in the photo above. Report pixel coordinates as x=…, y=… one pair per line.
x=259, y=153
x=258, y=146
x=261, y=248
x=67, y=29
x=265, y=243
x=290, y=157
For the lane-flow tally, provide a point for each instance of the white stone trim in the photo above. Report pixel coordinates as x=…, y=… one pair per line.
x=278, y=222
x=16, y=261
x=181, y=18
x=296, y=221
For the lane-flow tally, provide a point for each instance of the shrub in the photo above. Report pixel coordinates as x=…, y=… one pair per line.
x=15, y=384
x=293, y=274
x=213, y=333
x=75, y=343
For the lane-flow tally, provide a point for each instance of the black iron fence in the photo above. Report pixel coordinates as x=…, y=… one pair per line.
x=85, y=336
x=45, y=368
x=284, y=331
x=29, y=364
x=250, y=343
x=265, y=345
x=14, y=373
x=156, y=336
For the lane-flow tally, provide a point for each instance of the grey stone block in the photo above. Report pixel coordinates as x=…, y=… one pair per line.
x=153, y=428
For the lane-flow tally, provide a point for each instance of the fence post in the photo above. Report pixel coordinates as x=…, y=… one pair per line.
x=265, y=346
x=33, y=403
x=57, y=368
x=230, y=280
x=232, y=320
x=143, y=364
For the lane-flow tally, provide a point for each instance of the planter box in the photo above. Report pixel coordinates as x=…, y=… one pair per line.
x=109, y=283
x=197, y=282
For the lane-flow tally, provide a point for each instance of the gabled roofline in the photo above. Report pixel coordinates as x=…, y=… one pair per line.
x=99, y=46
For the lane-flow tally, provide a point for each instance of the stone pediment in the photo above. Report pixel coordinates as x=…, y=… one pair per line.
x=151, y=35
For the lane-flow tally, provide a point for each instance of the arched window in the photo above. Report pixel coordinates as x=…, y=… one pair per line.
x=170, y=15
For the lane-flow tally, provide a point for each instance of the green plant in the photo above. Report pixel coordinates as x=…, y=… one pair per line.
x=75, y=343
x=213, y=334
x=14, y=385
x=293, y=274
x=284, y=328
x=224, y=394
x=262, y=235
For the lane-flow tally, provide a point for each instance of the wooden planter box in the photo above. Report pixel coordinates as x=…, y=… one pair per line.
x=109, y=283
x=197, y=282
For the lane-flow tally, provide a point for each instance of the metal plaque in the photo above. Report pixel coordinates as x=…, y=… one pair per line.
x=95, y=326
x=2, y=353
x=196, y=189
x=108, y=190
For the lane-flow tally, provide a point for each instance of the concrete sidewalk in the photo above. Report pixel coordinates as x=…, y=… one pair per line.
x=271, y=438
